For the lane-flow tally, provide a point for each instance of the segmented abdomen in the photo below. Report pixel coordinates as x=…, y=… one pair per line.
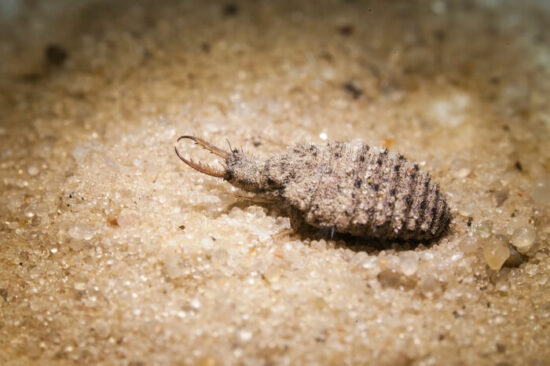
x=365, y=191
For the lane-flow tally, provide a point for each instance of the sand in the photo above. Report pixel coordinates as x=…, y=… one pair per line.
x=114, y=252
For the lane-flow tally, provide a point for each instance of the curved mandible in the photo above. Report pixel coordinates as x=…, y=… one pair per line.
x=208, y=146
x=206, y=169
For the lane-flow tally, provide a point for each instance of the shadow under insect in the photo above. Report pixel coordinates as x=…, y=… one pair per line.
x=300, y=229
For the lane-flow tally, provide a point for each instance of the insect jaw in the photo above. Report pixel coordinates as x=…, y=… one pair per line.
x=203, y=168
x=213, y=149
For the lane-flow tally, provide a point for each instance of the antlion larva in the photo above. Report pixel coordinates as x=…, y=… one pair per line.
x=344, y=187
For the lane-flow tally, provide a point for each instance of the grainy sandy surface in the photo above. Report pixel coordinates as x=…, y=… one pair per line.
x=113, y=252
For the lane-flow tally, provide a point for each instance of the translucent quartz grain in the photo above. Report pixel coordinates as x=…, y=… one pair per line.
x=485, y=229
x=524, y=238
x=496, y=252
x=82, y=232
x=408, y=263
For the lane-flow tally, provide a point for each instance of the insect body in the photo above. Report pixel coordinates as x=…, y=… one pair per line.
x=346, y=187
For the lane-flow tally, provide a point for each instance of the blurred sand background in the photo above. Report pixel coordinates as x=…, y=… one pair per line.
x=113, y=252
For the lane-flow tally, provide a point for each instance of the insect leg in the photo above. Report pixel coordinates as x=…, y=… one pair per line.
x=257, y=198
